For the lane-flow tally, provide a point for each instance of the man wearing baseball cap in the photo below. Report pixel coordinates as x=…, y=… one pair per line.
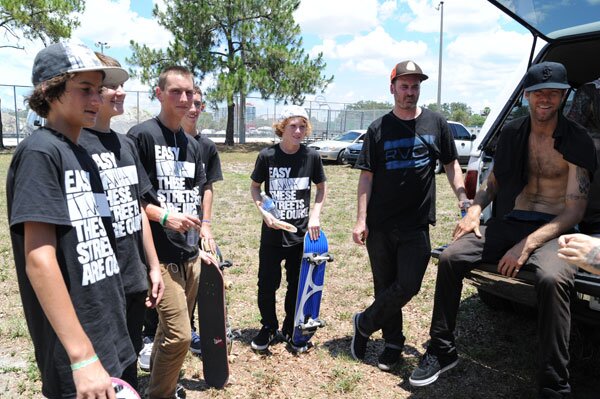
x=539, y=185
x=62, y=234
x=396, y=205
x=287, y=170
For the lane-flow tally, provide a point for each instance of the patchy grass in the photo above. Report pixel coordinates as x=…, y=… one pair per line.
x=497, y=349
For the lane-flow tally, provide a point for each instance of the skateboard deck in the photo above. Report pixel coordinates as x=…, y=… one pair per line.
x=310, y=289
x=123, y=390
x=281, y=224
x=212, y=318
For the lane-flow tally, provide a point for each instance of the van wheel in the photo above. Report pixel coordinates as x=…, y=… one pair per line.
x=494, y=302
x=438, y=167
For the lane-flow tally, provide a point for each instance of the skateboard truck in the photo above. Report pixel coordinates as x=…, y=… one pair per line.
x=316, y=258
x=311, y=325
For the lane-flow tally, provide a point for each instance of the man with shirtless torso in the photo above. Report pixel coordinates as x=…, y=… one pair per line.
x=539, y=186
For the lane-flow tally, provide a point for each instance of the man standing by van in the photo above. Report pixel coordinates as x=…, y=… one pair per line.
x=396, y=205
x=540, y=184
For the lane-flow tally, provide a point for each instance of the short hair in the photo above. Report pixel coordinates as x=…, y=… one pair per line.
x=46, y=92
x=174, y=69
x=107, y=60
x=280, y=126
x=198, y=90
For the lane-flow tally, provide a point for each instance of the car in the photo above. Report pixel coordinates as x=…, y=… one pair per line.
x=571, y=33
x=34, y=121
x=462, y=138
x=331, y=150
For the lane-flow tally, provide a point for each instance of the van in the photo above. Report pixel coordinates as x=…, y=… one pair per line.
x=565, y=32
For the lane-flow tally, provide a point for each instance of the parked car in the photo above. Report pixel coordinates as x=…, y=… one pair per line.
x=331, y=150
x=34, y=121
x=571, y=33
x=462, y=138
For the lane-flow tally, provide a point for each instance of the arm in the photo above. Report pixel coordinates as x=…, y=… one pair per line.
x=578, y=187
x=456, y=180
x=207, y=200
x=365, y=185
x=267, y=217
x=314, y=220
x=46, y=280
x=580, y=250
x=175, y=221
x=157, y=286
x=483, y=198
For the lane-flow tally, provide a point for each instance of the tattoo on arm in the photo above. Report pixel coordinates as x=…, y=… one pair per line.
x=575, y=197
x=592, y=258
x=583, y=180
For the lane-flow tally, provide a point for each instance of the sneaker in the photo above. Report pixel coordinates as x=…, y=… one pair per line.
x=429, y=369
x=295, y=348
x=179, y=392
x=195, y=344
x=388, y=358
x=145, y=353
x=263, y=339
x=358, y=348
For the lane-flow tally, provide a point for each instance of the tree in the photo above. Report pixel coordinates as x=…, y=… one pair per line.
x=369, y=104
x=45, y=20
x=249, y=45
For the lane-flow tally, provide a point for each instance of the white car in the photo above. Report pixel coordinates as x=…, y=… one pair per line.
x=331, y=150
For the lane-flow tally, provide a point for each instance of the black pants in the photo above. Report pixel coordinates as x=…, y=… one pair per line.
x=135, y=304
x=269, y=279
x=150, y=322
x=398, y=262
x=554, y=284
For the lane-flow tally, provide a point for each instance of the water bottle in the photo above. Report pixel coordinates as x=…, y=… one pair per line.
x=192, y=236
x=269, y=205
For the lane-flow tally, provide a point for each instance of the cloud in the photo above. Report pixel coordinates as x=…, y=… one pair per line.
x=333, y=18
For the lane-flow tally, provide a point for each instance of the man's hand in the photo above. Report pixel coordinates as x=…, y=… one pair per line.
x=314, y=228
x=181, y=222
x=470, y=223
x=206, y=233
x=157, y=287
x=269, y=219
x=208, y=258
x=580, y=250
x=513, y=260
x=92, y=381
x=360, y=233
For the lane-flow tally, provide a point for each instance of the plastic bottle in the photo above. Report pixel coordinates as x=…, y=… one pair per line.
x=192, y=237
x=269, y=205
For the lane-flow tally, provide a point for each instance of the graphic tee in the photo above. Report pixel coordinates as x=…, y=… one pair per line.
x=402, y=155
x=173, y=163
x=287, y=179
x=124, y=181
x=52, y=180
x=210, y=159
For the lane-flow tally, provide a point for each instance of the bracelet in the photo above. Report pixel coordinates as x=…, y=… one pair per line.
x=205, y=221
x=84, y=363
x=163, y=220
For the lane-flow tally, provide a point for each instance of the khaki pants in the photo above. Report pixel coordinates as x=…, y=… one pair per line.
x=173, y=334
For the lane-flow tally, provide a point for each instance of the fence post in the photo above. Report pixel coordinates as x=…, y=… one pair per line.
x=16, y=113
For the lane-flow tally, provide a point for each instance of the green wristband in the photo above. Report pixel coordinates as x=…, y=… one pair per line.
x=84, y=363
x=163, y=220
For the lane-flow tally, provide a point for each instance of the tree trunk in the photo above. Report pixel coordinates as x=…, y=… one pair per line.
x=230, y=117
x=242, y=118
x=1, y=129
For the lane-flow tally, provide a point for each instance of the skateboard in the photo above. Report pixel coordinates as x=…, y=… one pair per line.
x=123, y=390
x=281, y=224
x=212, y=315
x=310, y=289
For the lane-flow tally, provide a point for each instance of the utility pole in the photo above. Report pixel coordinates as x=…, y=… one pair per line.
x=102, y=46
x=439, y=92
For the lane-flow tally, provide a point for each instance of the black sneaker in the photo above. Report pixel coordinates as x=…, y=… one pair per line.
x=430, y=368
x=287, y=337
x=179, y=392
x=388, y=358
x=358, y=348
x=263, y=339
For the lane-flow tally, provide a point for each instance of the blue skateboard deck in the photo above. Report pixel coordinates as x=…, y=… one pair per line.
x=310, y=289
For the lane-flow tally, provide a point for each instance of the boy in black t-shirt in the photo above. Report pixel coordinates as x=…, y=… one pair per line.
x=287, y=169
x=124, y=181
x=62, y=235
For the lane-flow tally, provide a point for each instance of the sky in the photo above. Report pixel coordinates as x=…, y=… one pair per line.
x=361, y=41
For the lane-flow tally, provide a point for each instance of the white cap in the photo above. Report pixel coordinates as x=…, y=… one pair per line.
x=290, y=111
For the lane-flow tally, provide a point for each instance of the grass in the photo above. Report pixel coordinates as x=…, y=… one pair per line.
x=497, y=349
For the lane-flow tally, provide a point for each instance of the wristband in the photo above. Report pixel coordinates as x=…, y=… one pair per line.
x=163, y=220
x=84, y=363
x=205, y=221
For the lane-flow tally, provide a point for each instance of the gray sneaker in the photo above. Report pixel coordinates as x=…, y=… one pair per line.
x=145, y=353
x=429, y=369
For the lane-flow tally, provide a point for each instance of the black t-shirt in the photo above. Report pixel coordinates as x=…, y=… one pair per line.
x=402, y=155
x=210, y=159
x=124, y=181
x=51, y=180
x=173, y=163
x=287, y=179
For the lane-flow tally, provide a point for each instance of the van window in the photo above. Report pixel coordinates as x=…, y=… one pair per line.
x=459, y=132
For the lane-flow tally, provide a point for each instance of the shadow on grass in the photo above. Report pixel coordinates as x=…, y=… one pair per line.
x=242, y=148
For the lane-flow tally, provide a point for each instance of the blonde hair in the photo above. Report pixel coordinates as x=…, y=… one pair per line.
x=280, y=126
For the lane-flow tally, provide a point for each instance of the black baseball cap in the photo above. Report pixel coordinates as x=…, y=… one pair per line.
x=59, y=58
x=407, y=68
x=546, y=75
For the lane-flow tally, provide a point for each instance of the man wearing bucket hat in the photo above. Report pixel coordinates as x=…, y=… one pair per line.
x=61, y=232
x=287, y=170
x=396, y=205
x=539, y=185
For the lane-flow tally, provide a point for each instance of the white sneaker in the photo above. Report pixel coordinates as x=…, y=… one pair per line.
x=145, y=353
